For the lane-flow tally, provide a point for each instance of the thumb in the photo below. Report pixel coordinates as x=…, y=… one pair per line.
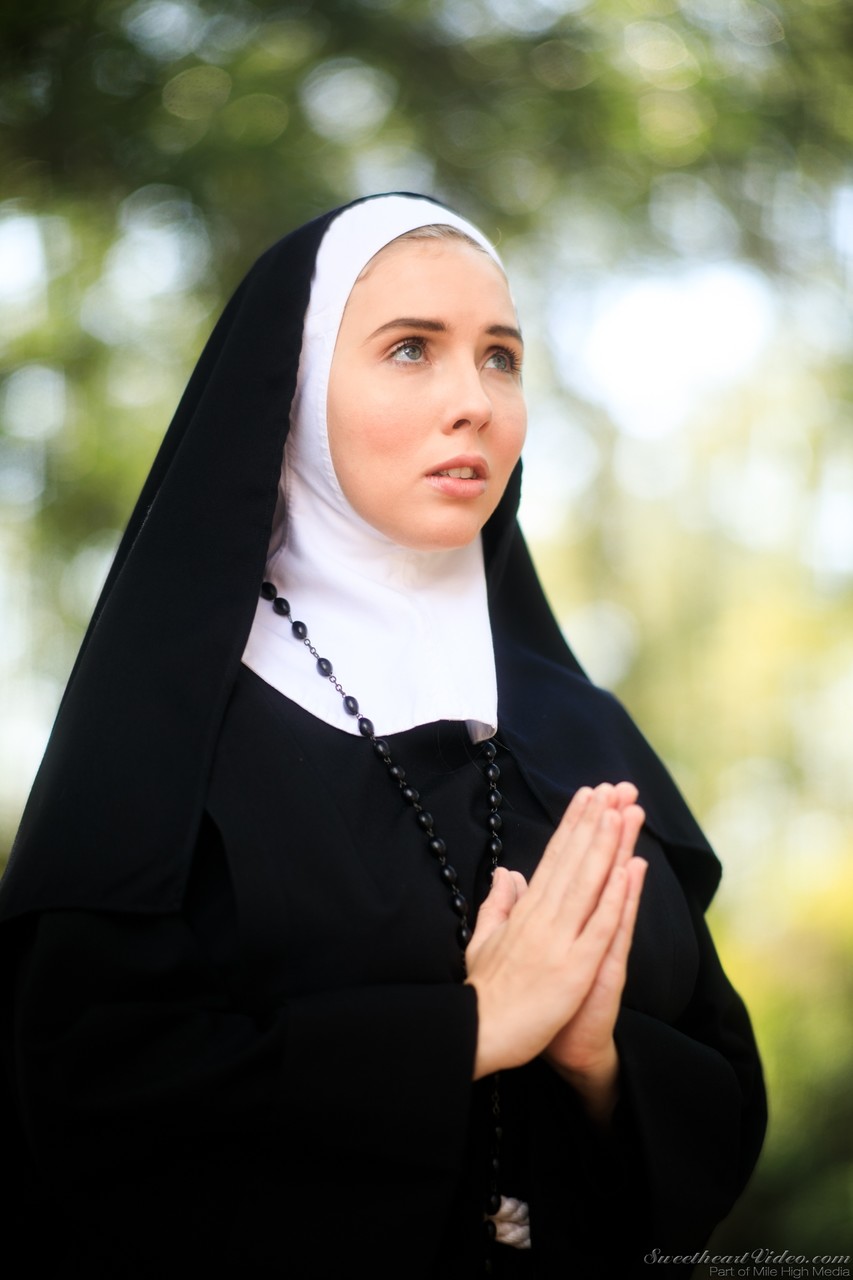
x=501, y=898
x=507, y=888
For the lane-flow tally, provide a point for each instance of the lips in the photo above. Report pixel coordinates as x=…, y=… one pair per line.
x=465, y=468
x=462, y=479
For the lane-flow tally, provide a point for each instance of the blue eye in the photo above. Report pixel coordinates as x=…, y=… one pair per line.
x=409, y=352
x=503, y=360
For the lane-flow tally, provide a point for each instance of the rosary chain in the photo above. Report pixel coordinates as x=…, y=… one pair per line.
x=437, y=848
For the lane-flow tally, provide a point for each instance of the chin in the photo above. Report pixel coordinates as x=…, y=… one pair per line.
x=439, y=527
x=438, y=540
x=451, y=536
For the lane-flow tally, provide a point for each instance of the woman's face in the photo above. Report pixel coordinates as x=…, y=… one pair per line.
x=425, y=410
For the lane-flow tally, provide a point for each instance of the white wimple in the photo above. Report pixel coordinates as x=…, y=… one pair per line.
x=407, y=631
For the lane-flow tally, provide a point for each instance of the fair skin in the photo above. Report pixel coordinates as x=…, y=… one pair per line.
x=425, y=380
x=548, y=960
x=426, y=377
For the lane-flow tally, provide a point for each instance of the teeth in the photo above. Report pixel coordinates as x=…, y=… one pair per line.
x=460, y=473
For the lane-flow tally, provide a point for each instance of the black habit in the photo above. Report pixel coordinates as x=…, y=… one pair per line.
x=237, y=1033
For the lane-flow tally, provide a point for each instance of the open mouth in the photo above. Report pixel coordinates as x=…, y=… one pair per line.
x=461, y=479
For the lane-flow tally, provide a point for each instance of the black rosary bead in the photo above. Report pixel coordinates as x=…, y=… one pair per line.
x=380, y=746
x=463, y=936
x=493, y=1203
x=492, y=772
x=410, y=795
x=495, y=846
x=489, y=751
x=437, y=847
x=324, y=666
x=495, y=821
x=281, y=607
x=300, y=630
x=350, y=705
x=397, y=772
x=490, y=1229
x=424, y=821
x=459, y=904
x=495, y=799
x=448, y=874
x=268, y=591
x=365, y=726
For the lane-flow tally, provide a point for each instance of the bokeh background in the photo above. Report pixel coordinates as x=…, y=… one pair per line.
x=671, y=185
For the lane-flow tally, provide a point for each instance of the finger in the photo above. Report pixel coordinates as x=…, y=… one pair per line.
x=576, y=806
x=576, y=887
x=615, y=964
x=619, y=796
x=598, y=934
x=632, y=821
x=520, y=884
x=586, y=800
x=502, y=895
x=497, y=905
x=594, y=1022
x=572, y=836
x=625, y=794
x=637, y=870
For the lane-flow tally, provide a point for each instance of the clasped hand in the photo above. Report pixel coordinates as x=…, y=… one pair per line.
x=548, y=959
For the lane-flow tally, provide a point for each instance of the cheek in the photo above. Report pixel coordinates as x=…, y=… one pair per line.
x=366, y=434
x=375, y=432
x=522, y=430
x=512, y=440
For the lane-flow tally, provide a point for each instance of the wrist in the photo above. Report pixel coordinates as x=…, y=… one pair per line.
x=483, y=1050
x=596, y=1083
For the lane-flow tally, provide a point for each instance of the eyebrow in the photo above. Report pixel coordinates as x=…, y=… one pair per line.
x=438, y=326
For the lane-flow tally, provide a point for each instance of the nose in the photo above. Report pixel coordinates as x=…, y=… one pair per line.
x=469, y=405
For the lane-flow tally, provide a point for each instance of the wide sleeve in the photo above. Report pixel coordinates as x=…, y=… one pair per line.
x=684, y=1139
x=163, y=1110
x=695, y=1100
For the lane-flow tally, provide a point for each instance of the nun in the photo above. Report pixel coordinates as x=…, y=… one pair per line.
x=349, y=925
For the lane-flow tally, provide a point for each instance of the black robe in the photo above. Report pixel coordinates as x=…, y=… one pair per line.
x=238, y=1033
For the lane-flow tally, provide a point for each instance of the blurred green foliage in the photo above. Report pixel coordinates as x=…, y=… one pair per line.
x=702, y=562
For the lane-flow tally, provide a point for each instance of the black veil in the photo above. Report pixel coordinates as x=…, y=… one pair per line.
x=115, y=809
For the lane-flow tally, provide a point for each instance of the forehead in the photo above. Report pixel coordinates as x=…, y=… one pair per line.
x=439, y=270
